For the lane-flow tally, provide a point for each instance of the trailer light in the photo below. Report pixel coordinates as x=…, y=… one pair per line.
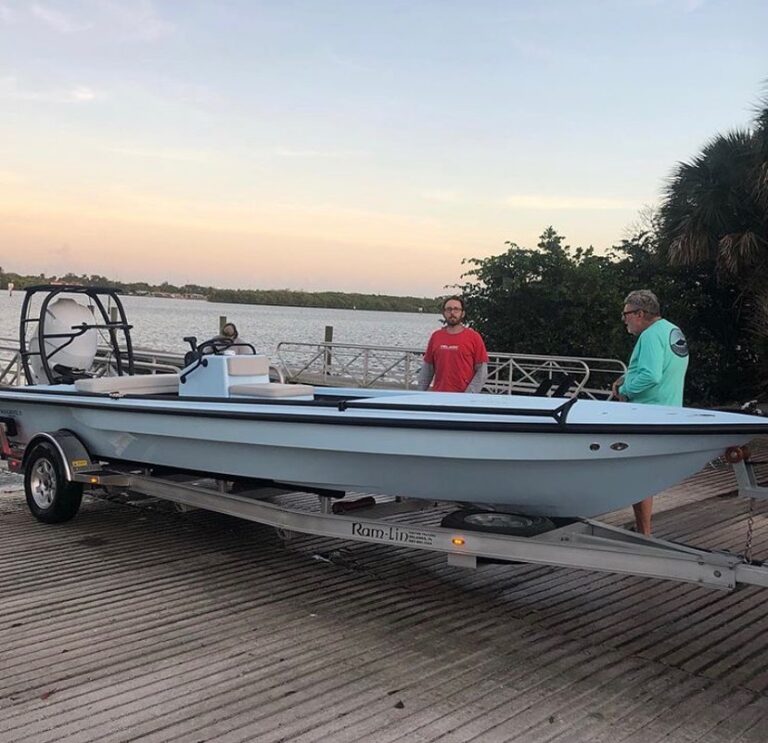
x=93, y=480
x=458, y=541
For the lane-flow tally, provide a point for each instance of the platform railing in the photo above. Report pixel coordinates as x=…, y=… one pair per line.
x=393, y=367
x=356, y=365
x=11, y=371
x=146, y=361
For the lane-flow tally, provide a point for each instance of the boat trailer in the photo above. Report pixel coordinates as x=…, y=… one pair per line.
x=57, y=467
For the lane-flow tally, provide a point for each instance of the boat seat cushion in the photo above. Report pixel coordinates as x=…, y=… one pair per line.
x=247, y=366
x=139, y=384
x=272, y=389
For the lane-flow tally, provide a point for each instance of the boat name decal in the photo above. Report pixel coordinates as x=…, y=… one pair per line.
x=10, y=412
x=395, y=534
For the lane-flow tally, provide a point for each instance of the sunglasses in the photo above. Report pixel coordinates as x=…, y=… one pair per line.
x=629, y=312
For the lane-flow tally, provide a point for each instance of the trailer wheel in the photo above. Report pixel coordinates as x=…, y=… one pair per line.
x=50, y=498
x=497, y=522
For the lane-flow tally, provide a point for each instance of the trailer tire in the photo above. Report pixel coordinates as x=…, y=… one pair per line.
x=497, y=522
x=50, y=497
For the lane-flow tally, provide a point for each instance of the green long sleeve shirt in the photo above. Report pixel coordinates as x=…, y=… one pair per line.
x=656, y=371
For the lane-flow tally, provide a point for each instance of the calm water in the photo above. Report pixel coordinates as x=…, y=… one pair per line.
x=162, y=323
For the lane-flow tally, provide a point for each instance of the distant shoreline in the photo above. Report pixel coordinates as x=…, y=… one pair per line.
x=264, y=297
x=264, y=304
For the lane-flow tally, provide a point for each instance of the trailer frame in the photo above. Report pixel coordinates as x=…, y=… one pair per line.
x=578, y=543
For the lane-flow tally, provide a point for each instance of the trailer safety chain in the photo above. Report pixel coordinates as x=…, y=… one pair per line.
x=718, y=463
x=734, y=455
x=750, y=531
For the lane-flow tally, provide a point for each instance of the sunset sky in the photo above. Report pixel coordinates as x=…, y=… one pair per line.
x=357, y=145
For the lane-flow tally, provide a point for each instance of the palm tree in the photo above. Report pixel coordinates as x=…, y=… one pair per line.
x=713, y=209
x=715, y=212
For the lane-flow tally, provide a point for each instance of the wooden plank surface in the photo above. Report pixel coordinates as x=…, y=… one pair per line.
x=135, y=622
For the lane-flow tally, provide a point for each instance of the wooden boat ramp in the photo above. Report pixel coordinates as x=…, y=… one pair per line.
x=137, y=622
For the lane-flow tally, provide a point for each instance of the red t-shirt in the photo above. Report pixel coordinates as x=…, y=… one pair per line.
x=454, y=356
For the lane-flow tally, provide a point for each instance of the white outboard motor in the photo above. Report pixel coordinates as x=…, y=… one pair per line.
x=75, y=351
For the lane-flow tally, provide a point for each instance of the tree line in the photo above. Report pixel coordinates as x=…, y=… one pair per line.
x=279, y=297
x=336, y=300
x=563, y=301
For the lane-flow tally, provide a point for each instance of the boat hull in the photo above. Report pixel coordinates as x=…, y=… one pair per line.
x=552, y=473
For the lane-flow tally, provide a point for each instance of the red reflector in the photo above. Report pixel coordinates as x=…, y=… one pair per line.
x=5, y=446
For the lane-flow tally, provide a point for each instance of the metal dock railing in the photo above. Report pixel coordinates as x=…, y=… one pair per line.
x=358, y=365
x=146, y=361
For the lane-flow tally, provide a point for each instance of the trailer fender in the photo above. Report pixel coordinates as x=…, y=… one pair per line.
x=74, y=456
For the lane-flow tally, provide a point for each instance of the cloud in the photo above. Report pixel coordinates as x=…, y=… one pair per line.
x=687, y=6
x=315, y=154
x=536, y=202
x=56, y=20
x=7, y=85
x=183, y=156
x=132, y=19
x=9, y=177
x=82, y=93
x=194, y=93
x=442, y=196
x=348, y=62
x=9, y=88
x=137, y=20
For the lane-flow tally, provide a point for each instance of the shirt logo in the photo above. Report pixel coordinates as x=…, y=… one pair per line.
x=677, y=342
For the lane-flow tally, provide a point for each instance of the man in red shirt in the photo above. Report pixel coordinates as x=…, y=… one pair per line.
x=455, y=355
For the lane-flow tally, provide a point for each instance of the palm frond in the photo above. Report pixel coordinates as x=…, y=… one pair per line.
x=758, y=319
x=711, y=204
x=739, y=252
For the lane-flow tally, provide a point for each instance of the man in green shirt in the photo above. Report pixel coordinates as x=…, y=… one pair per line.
x=656, y=371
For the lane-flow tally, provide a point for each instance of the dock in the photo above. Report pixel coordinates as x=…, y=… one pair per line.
x=135, y=622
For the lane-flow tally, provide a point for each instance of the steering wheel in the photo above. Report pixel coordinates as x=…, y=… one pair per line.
x=216, y=345
x=213, y=346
